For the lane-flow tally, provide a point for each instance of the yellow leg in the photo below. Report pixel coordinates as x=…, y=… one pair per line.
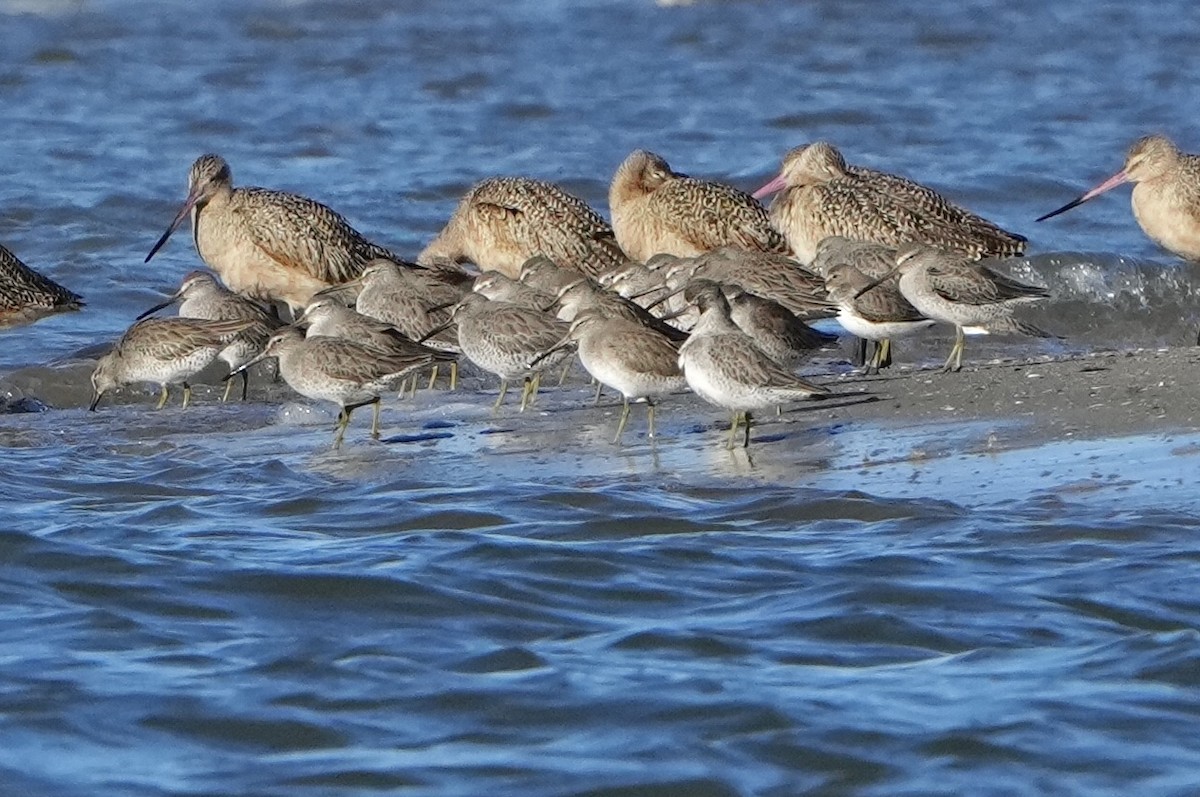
x=162, y=398
x=454, y=375
x=228, y=387
x=624, y=418
x=733, y=427
x=343, y=422
x=528, y=391
x=954, y=361
x=187, y=395
x=433, y=377
x=650, y=417
x=599, y=388
x=500, y=398
x=562, y=378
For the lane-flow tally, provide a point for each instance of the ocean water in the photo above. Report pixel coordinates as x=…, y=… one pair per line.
x=213, y=602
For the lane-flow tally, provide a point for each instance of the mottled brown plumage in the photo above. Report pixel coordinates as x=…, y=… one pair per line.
x=26, y=295
x=504, y=221
x=163, y=351
x=269, y=245
x=411, y=300
x=771, y=276
x=658, y=211
x=585, y=294
x=820, y=195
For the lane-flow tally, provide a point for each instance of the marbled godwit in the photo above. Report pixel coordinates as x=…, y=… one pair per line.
x=163, y=351
x=26, y=295
x=879, y=315
x=505, y=339
x=349, y=374
x=820, y=195
x=636, y=361
x=200, y=295
x=1166, y=194
x=504, y=221
x=268, y=245
x=724, y=367
x=658, y=211
x=946, y=287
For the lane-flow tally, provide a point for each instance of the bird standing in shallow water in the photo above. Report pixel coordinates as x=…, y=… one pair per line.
x=26, y=295
x=1166, y=194
x=268, y=245
x=724, y=367
x=948, y=288
x=163, y=351
x=504, y=221
x=879, y=314
x=200, y=295
x=819, y=195
x=349, y=374
x=658, y=211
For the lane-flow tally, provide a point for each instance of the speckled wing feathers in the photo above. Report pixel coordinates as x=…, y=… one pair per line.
x=711, y=215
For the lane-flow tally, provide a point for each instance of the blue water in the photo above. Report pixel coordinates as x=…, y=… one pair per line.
x=214, y=603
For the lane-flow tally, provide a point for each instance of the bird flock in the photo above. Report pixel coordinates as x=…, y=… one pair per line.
x=694, y=284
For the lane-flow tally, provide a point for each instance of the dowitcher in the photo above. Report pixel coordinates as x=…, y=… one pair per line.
x=264, y=244
x=656, y=210
x=771, y=276
x=544, y=274
x=636, y=361
x=201, y=295
x=775, y=329
x=499, y=288
x=504, y=221
x=163, y=351
x=820, y=195
x=505, y=339
x=349, y=374
x=878, y=315
x=946, y=287
x=26, y=295
x=724, y=367
x=586, y=294
x=1166, y=194
x=412, y=301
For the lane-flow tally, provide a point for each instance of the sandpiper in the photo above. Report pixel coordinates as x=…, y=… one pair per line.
x=163, y=351
x=499, y=288
x=656, y=210
x=1166, y=194
x=820, y=195
x=349, y=374
x=878, y=315
x=504, y=221
x=201, y=295
x=26, y=295
x=724, y=367
x=775, y=329
x=505, y=339
x=544, y=274
x=946, y=287
x=268, y=245
x=412, y=301
x=636, y=361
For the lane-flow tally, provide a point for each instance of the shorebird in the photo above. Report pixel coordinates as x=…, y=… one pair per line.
x=769, y=275
x=504, y=221
x=658, y=211
x=724, y=367
x=632, y=359
x=775, y=329
x=878, y=315
x=26, y=295
x=412, y=301
x=544, y=274
x=820, y=195
x=163, y=351
x=586, y=294
x=349, y=374
x=1166, y=194
x=946, y=287
x=200, y=295
x=499, y=288
x=505, y=339
x=268, y=245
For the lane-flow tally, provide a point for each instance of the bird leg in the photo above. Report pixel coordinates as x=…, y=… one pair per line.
x=229, y=387
x=375, y=405
x=624, y=418
x=954, y=361
x=600, y=387
x=746, y=416
x=650, y=417
x=859, y=358
x=883, y=352
x=454, y=375
x=245, y=385
x=529, y=390
x=500, y=398
x=562, y=378
x=187, y=395
x=162, y=398
x=433, y=376
x=340, y=429
x=733, y=427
